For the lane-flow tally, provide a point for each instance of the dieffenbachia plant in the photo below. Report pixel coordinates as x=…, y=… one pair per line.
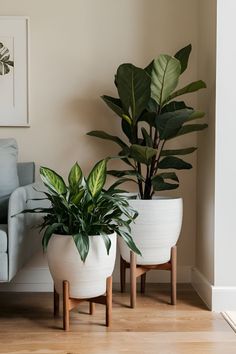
x=150, y=116
x=5, y=62
x=83, y=208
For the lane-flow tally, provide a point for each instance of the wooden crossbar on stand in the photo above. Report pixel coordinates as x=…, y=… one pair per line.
x=69, y=303
x=137, y=270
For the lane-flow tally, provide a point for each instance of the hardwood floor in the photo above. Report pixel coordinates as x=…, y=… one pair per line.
x=27, y=326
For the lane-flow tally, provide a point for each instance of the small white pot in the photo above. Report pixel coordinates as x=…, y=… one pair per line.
x=86, y=279
x=156, y=229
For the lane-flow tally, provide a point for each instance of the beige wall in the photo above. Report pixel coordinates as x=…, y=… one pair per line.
x=206, y=141
x=75, y=48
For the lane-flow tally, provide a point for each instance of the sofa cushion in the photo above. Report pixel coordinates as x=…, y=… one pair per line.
x=3, y=238
x=9, y=180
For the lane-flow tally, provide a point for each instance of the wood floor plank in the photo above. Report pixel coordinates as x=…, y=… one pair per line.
x=27, y=326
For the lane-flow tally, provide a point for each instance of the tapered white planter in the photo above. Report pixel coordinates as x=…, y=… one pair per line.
x=86, y=279
x=156, y=229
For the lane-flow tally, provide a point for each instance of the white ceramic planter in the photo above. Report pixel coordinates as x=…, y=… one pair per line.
x=156, y=229
x=86, y=279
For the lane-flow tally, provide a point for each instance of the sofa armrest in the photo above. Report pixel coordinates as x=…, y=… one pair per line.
x=23, y=237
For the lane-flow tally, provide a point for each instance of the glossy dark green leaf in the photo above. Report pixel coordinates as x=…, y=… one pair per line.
x=183, y=55
x=122, y=173
x=174, y=106
x=107, y=242
x=133, y=85
x=185, y=151
x=52, y=180
x=82, y=245
x=142, y=154
x=115, y=104
x=165, y=76
x=149, y=117
x=170, y=123
x=169, y=175
x=193, y=87
x=50, y=230
x=127, y=129
x=103, y=135
x=174, y=162
x=146, y=137
x=186, y=129
x=97, y=178
x=129, y=241
x=159, y=184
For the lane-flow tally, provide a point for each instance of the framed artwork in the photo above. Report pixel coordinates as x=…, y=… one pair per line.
x=14, y=90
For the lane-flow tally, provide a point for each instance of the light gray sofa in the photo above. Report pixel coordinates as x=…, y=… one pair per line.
x=19, y=239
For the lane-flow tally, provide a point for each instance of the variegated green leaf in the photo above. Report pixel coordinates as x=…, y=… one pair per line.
x=97, y=178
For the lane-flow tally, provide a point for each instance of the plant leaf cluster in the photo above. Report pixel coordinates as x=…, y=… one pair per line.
x=151, y=116
x=83, y=208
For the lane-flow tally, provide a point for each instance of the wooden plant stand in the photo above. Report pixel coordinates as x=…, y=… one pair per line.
x=69, y=303
x=137, y=270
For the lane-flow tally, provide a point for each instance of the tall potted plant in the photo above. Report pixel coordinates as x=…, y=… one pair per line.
x=80, y=226
x=150, y=116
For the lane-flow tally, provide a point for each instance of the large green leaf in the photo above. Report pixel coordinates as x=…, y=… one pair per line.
x=107, y=242
x=169, y=123
x=52, y=180
x=82, y=245
x=115, y=104
x=50, y=230
x=186, y=129
x=174, y=106
x=127, y=129
x=147, y=138
x=142, y=154
x=183, y=55
x=185, y=151
x=97, y=178
x=103, y=135
x=194, y=86
x=169, y=175
x=129, y=241
x=133, y=86
x=165, y=76
x=122, y=173
x=174, y=162
x=159, y=184
x=75, y=176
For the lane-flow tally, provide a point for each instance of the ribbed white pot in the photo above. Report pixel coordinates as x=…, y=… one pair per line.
x=156, y=229
x=86, y=279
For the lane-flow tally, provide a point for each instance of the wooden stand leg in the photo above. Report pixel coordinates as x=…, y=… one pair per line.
x=56, y=303
x=66, y=307
x=109, y=301
x=133, y=288
x=91, y=308
x=122, y=275
x=173, y=274
x=143, y=283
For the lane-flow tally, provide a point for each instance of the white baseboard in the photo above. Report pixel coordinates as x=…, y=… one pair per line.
x=202, y=286
x=217, y=298
x=35, y=276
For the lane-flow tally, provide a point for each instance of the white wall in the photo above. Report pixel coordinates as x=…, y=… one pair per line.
x=214, y=276
x=206, y=141
x=225, y=211
x=75, y=48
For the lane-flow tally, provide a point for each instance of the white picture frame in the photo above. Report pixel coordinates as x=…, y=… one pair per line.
x=14, y=80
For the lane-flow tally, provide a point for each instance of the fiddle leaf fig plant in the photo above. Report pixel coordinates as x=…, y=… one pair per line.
x=83, y=207
x=150, y=117
x=5, y=62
